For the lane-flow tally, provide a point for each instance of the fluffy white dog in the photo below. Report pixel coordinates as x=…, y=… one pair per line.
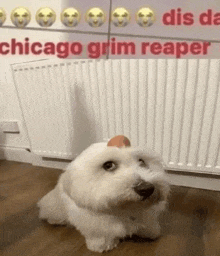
x=109, y=192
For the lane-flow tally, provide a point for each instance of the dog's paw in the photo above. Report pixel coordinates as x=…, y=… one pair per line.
x=56, y=222
x=101, y=244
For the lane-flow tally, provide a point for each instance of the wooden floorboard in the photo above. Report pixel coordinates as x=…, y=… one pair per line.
x=190, y=226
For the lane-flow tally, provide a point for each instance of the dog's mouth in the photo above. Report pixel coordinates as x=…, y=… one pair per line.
x=155, y=197
x=140, y=202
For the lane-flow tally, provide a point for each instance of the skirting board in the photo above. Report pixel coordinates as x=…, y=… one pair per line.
x=194, y=180
x=15, y=154
x=50, y=162
x=186, y=179
x=25, y=156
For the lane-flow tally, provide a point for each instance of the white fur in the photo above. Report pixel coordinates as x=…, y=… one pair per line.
x=102, y=204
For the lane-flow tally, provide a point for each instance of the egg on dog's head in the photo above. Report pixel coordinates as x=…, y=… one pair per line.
x=119, y=141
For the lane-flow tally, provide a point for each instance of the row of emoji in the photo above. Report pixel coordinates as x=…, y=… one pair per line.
x=70, y=17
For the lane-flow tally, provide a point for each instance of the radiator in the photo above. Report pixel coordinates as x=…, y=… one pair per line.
x=171, y=106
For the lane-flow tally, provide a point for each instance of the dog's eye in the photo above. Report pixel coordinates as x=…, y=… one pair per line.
x=142, y=163
x=109, y=166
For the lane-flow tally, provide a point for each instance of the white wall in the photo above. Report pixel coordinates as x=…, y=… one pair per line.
x=9, y=102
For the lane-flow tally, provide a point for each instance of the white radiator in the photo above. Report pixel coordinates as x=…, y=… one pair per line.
x=172, y=106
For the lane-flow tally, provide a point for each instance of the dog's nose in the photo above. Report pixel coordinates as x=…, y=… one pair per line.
x=144, y=189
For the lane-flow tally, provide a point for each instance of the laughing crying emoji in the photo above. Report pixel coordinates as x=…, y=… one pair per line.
x=2, y=16
x=120, y=17
x=145, y=17
x=20, y=17
x=70, y=17
x=45, y=17
x=95, y=17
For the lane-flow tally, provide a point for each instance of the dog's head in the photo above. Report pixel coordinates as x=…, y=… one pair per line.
x=104, y=177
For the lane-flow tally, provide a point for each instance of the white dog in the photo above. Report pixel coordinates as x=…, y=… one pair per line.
x=108, y=193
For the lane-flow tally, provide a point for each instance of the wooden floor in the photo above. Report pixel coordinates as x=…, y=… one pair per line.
x=190, y=226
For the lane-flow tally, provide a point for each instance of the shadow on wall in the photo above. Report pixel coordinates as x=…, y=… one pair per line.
x=84, y=127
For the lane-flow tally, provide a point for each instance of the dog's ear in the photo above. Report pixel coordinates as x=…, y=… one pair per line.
x=69, y=166
x=66, y=182
x=157, y=162
x=66, y=178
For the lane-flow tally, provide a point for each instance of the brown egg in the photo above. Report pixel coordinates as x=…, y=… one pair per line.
x=119, y=141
